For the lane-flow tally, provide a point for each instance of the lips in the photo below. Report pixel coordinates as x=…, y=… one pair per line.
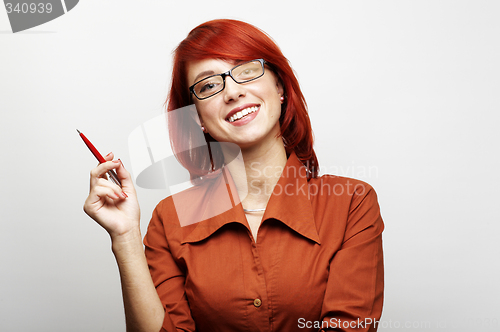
x=241, y=112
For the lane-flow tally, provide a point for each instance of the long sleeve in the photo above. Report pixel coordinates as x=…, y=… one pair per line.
x=168, y=277
x=354, y=294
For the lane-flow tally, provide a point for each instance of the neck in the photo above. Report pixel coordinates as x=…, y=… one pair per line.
x=256, y=171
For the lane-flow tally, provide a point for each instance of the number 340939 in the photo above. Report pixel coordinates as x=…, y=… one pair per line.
x=32, y=8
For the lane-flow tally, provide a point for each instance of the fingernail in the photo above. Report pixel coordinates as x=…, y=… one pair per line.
x=117, y=161
x=108, y=154
x=124, y=195
x=121, y=162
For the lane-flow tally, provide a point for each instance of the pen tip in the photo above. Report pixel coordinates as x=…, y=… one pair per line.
x=78, y=131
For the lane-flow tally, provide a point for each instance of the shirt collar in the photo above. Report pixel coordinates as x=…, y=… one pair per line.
x=289, y=203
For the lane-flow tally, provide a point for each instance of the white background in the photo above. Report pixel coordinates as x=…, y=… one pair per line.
x=402, y=94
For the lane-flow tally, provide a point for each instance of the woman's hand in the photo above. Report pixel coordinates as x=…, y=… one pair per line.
x=117, y=210
x=114, y=208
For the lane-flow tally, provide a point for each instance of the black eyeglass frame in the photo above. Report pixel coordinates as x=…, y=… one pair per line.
x=229, y=73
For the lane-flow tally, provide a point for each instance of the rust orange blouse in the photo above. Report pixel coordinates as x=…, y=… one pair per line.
x=317, y=263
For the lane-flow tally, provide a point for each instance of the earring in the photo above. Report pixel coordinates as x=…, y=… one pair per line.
x=282, y=99
x=203, y=129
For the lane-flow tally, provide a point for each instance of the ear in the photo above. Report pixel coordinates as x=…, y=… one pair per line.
x=279, y=88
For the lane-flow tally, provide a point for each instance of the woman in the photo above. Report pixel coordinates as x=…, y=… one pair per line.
x=291, y=252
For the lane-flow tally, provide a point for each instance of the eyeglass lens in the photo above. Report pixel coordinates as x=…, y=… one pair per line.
x=241, y=74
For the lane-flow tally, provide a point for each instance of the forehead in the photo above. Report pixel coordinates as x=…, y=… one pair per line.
x=196, y=70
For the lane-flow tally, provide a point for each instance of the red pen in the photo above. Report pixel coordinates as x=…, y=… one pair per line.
x=111, y=173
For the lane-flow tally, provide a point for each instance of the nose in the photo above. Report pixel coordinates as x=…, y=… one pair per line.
x=233, y=91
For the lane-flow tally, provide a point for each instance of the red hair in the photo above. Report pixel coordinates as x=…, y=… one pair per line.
x=233, y=40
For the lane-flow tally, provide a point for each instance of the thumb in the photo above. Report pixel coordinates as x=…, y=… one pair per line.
x=124, y=177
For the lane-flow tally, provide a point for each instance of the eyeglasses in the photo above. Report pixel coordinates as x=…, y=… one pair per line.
x=214, y=84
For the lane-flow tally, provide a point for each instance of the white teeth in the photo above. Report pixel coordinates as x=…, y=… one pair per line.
x=243, y=113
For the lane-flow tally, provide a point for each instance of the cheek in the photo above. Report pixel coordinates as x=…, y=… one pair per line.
x=274, y=103
x=207, y=112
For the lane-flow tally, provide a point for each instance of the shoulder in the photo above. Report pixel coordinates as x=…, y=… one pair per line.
x=352, y=203
x=330, y=186
x=164, y=206
x=164, y=215
x=165, y=227
x=342, y=196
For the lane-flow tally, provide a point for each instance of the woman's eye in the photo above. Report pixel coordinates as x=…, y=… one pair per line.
x=247, y=72
x=207, y=87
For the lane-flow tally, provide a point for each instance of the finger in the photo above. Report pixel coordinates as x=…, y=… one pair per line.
x=108, y=184
x=114, y=187
x=97, y=199
x=108, y=189
x=109, y=156
x=100, y=171
x=125, y=178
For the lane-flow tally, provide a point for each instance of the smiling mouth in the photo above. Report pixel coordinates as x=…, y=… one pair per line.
x=243, y=113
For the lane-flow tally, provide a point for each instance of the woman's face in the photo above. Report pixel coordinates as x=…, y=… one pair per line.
x=262, y=96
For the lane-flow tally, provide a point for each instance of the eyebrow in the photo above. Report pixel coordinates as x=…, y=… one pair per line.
x=203, y=73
